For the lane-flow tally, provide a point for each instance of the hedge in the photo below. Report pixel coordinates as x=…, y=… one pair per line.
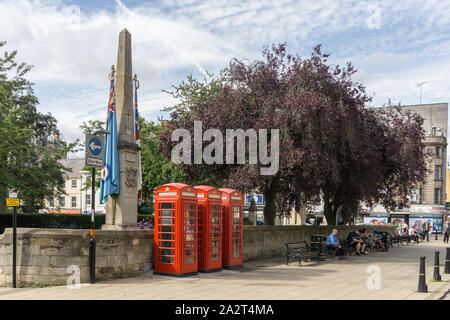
x=60, y=221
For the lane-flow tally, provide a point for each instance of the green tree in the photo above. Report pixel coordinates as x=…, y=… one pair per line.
x=28, y=156
x=156, y=170
x=192, y=94
x=332, y=147
x=91, y=126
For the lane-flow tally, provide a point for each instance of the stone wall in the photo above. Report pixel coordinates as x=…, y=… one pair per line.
x=44, y=255
x=262, y=242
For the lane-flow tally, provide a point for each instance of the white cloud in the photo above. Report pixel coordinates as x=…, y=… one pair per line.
x=73, y=49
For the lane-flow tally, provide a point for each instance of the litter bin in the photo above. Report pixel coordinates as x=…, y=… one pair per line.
x=319, y=243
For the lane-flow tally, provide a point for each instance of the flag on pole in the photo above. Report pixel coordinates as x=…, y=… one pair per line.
x=109, y=183
x=138, y=142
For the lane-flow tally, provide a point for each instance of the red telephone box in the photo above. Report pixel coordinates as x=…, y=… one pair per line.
x=233, y=202
x=175, y=232
x=210, y=210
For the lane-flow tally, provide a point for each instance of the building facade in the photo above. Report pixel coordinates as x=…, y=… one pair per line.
x=76, y=200
x=427, y=202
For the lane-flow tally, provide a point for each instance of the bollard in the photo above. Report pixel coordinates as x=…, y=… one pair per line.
x=435, y=236
x=447, y=262
x=436, y=275
x=422, y=285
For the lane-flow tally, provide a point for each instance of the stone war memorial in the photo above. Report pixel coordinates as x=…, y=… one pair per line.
x=121, y=209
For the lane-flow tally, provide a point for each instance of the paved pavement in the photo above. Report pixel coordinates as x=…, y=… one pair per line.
x=354, y=278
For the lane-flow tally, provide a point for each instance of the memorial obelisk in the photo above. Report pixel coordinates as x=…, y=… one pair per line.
x=121, y=209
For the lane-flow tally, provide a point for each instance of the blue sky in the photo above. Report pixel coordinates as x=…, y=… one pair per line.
x=72, y=45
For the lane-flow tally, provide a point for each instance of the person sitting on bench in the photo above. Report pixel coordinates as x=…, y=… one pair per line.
x=379, y=244
x=333, y=243
x=371, y=240
x=357, y=242
x=413, y=234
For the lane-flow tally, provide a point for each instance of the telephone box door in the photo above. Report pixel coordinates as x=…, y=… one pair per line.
x=189, y=238
x=232, y=201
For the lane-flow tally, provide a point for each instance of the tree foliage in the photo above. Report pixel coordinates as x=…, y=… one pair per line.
x=333, y=147
x=28, y=157
x=156, y=170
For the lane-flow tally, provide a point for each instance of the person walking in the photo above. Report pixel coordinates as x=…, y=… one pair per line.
x=426, y=229
x=421, y=232
x=446, y=231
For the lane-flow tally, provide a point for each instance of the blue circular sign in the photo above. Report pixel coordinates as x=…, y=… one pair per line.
x=95, y=146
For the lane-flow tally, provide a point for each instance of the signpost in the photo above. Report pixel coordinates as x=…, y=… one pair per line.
x=13, y=201
x=95, y=150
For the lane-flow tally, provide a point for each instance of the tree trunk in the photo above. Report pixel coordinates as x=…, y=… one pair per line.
x=269, y=207
x=328, y=211
x=302, y=214
x=269, y=196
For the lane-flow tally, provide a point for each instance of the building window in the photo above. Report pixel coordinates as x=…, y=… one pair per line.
x=51, y=202
x=88, y=199
x=437, y=193
x=74, y=202
x=437, y=172
x=414, y=196
x=62, y=202
x=438, y=152
x=74, y=183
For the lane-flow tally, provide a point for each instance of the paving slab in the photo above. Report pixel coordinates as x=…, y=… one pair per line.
x=354, y=279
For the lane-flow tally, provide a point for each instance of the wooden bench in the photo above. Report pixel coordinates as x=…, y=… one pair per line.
x=395, y=239
x=385, y=239
x=300, y=251
x=347, y=247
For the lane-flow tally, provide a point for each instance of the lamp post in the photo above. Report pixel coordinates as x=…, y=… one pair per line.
x=92, y=238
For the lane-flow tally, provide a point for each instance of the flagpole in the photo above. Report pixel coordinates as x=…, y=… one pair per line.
x=92, y=239
x=137, y=137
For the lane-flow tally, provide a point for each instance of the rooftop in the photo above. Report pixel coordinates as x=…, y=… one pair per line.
x=75, y=167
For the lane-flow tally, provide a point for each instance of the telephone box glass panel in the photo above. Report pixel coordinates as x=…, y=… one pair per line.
x=190, y=249
x=215, y=232
x=199, y=234
x=166, y=232
x=236, y=235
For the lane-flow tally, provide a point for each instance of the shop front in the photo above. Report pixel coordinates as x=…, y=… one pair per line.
x=433, y=214
x=376, y=218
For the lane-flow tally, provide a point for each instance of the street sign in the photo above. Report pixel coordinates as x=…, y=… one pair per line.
x=93, y=162
x=94, y=151
x=12, y=202
x=12, y=195
x=258, y=198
